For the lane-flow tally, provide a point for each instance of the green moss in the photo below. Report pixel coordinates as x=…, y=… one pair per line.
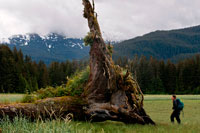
x=76, y=84
x=126, y=82
x=88, y=40
x=29, y=98
x=110, y=49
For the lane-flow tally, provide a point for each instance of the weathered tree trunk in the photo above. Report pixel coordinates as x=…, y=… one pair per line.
x=108, y=95
x=49, y=108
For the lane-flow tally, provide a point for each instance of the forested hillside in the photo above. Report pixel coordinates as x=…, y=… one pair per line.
x=173, y=44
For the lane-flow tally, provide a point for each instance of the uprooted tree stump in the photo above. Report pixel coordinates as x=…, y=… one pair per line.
x=108, y=95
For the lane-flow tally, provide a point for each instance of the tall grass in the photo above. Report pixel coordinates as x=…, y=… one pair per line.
x=22, y=125
x=9, y=98
x=159, y=107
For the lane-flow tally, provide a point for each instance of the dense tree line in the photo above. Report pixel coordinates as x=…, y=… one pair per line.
x=159, y=77
x=19, y=74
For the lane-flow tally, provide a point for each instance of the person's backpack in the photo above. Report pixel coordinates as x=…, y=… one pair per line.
x=180, y=104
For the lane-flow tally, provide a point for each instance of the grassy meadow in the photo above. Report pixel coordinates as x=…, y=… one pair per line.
x=10, y=98
x=159, y=107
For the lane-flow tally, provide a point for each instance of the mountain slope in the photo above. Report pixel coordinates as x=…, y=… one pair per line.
x=174, y=44
x=53, y=47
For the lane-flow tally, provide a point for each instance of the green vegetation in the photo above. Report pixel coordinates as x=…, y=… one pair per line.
x=10, y=98
x=19, y=74
x=157, y=106
x=159, y=77
x=110, y=49
x=88, y=40
x=21, y=125
x=76, y=83
x=73, y=87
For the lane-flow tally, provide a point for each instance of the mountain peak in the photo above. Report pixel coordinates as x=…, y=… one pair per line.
x=50, y=47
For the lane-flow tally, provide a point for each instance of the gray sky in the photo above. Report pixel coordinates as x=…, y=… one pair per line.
x=119, y=19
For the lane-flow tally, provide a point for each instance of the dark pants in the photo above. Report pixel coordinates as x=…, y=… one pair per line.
x=176, y=114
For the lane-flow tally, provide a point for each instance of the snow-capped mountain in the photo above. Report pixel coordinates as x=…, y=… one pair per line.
x=52, y=47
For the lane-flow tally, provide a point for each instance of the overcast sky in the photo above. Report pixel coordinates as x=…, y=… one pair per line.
x=119, y=19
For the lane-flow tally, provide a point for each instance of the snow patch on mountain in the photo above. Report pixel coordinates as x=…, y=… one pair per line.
x=79, y=45
x=50, y=42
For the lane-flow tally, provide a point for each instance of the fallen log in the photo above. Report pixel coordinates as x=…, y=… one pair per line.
x=49, y=108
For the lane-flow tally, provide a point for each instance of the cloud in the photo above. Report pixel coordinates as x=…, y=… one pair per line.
x=42, y=16
x=118, y=19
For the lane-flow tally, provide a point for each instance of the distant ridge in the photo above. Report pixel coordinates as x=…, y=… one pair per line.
x=173, y=44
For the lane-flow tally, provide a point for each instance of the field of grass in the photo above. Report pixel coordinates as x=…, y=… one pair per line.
x=157, y=106
x=9, y=98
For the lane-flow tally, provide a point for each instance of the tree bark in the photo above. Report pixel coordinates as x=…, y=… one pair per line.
x=49, y=108
x=108, y=95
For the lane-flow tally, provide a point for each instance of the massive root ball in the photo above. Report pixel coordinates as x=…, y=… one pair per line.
x=125, y=104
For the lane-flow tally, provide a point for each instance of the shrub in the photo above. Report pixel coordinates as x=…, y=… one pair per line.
x=74, y=86
x=196, y=90
x=29, y=98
